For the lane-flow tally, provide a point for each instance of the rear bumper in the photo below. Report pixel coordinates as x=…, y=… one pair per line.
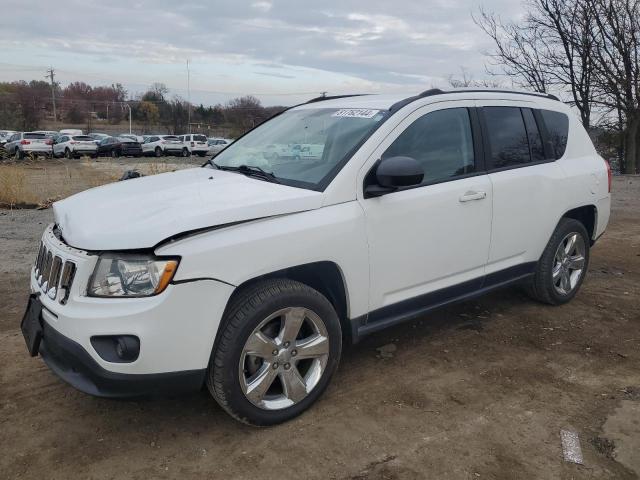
x=36, y=148
x=73, y=364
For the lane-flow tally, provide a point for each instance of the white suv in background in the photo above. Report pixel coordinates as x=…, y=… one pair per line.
x=195, y=144
x=160, y=145
x=74, y=146
x=23, y=144
x=247, y=274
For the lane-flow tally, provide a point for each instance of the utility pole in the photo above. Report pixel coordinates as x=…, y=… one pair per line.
x=189, y=96
x=51, y=74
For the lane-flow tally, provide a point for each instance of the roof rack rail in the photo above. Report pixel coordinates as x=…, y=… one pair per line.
x=436, y=91
x=333, y=97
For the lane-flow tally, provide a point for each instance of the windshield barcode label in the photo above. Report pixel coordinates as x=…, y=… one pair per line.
x=355, y=113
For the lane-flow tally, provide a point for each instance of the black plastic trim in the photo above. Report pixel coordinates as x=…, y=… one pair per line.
x=412, y=308
x=73, y=364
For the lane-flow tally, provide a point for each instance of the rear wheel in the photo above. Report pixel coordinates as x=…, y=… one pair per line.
x=67, y=154
x=114, y=153
x=185, y=152
x=158, y=152
x=278, y=348
x=18, y=155
x=563, y=265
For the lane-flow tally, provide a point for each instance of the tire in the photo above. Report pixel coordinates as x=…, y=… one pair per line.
x=67, y=154
x=18, y=154
x=544, y=288
x=249, y=310
x=114, y=154
x=158, y=152
x=185, y=152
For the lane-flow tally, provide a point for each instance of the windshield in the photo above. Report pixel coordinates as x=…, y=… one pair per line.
x=304, y=147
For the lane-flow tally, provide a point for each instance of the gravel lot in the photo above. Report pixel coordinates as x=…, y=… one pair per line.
x=480, y=390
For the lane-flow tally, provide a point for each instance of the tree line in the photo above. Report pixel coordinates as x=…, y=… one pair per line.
x=589, y=50
x=28, y=106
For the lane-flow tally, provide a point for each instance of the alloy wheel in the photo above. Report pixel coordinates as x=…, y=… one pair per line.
x=284, y=358
x=569, y=263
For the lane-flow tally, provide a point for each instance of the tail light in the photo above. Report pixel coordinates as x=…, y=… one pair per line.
x=608, y=174
x=24, y=142
x=73, y=143
x=49, y=142
x=164, y=141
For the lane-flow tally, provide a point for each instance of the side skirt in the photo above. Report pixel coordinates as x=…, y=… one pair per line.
x=415, y=307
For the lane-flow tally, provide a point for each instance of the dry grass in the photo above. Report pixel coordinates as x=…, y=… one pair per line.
x=41, y=181
x=14, y=189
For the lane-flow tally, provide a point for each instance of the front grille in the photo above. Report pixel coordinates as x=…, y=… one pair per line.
x=54, y=274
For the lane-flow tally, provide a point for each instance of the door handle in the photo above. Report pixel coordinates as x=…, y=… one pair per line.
x=471, y=195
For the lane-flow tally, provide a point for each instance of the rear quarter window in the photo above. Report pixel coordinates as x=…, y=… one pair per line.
x=557, y=125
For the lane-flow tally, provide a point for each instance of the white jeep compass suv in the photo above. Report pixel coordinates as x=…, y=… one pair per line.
x=248, y=274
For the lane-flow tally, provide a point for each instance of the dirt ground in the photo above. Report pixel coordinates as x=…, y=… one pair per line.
x=480, y=390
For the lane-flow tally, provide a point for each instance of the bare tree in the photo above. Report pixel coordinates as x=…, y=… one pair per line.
x=616, y=53
x=550, y=48
x=466, y=80
x=518, y=51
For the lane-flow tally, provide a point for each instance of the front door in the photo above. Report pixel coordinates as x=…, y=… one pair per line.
x=430, y=243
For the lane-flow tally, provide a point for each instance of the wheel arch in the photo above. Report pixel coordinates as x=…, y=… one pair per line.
x=587, y=215
x=323, y=276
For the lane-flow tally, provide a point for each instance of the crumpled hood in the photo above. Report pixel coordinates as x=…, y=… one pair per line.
x=141, y=212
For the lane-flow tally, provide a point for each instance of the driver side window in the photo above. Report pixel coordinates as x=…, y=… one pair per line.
x=441, y=142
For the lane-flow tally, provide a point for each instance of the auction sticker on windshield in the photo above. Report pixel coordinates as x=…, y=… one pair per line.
x=355, y=113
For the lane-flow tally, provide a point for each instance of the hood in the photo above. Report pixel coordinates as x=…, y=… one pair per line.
x=142, y=212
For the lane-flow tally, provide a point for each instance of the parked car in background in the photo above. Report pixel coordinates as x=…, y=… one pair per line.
x=52, y=134
x=195, y=144
x=135, y=138
x=5, y=135
x=74, y=146
x=71, y=131
x=160, y=145
x=28, y=143
x=98, y=137
x=119, y=147
x=216, y=145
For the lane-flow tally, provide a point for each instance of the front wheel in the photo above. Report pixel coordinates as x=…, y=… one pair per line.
x=563, y=265
x=279, y=345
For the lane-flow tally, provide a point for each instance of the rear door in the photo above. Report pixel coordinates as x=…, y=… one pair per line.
x=430, y=243
x=526, y=185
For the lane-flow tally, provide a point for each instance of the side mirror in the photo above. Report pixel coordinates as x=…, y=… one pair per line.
x=393, y=173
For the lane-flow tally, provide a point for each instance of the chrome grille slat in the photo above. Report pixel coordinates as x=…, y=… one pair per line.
x=57, y=272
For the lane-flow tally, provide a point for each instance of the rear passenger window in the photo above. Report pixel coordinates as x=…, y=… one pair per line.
x=507, y=135
x=558, y=129
x=533, y=133
x=440, y=141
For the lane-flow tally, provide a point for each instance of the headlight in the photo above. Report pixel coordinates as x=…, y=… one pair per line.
x=124, y=275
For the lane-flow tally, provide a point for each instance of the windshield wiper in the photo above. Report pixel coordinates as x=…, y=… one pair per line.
x=249, y=170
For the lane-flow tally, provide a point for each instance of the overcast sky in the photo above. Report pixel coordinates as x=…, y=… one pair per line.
x=281, y=51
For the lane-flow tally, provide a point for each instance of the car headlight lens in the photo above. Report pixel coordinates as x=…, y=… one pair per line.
x=131, y=275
